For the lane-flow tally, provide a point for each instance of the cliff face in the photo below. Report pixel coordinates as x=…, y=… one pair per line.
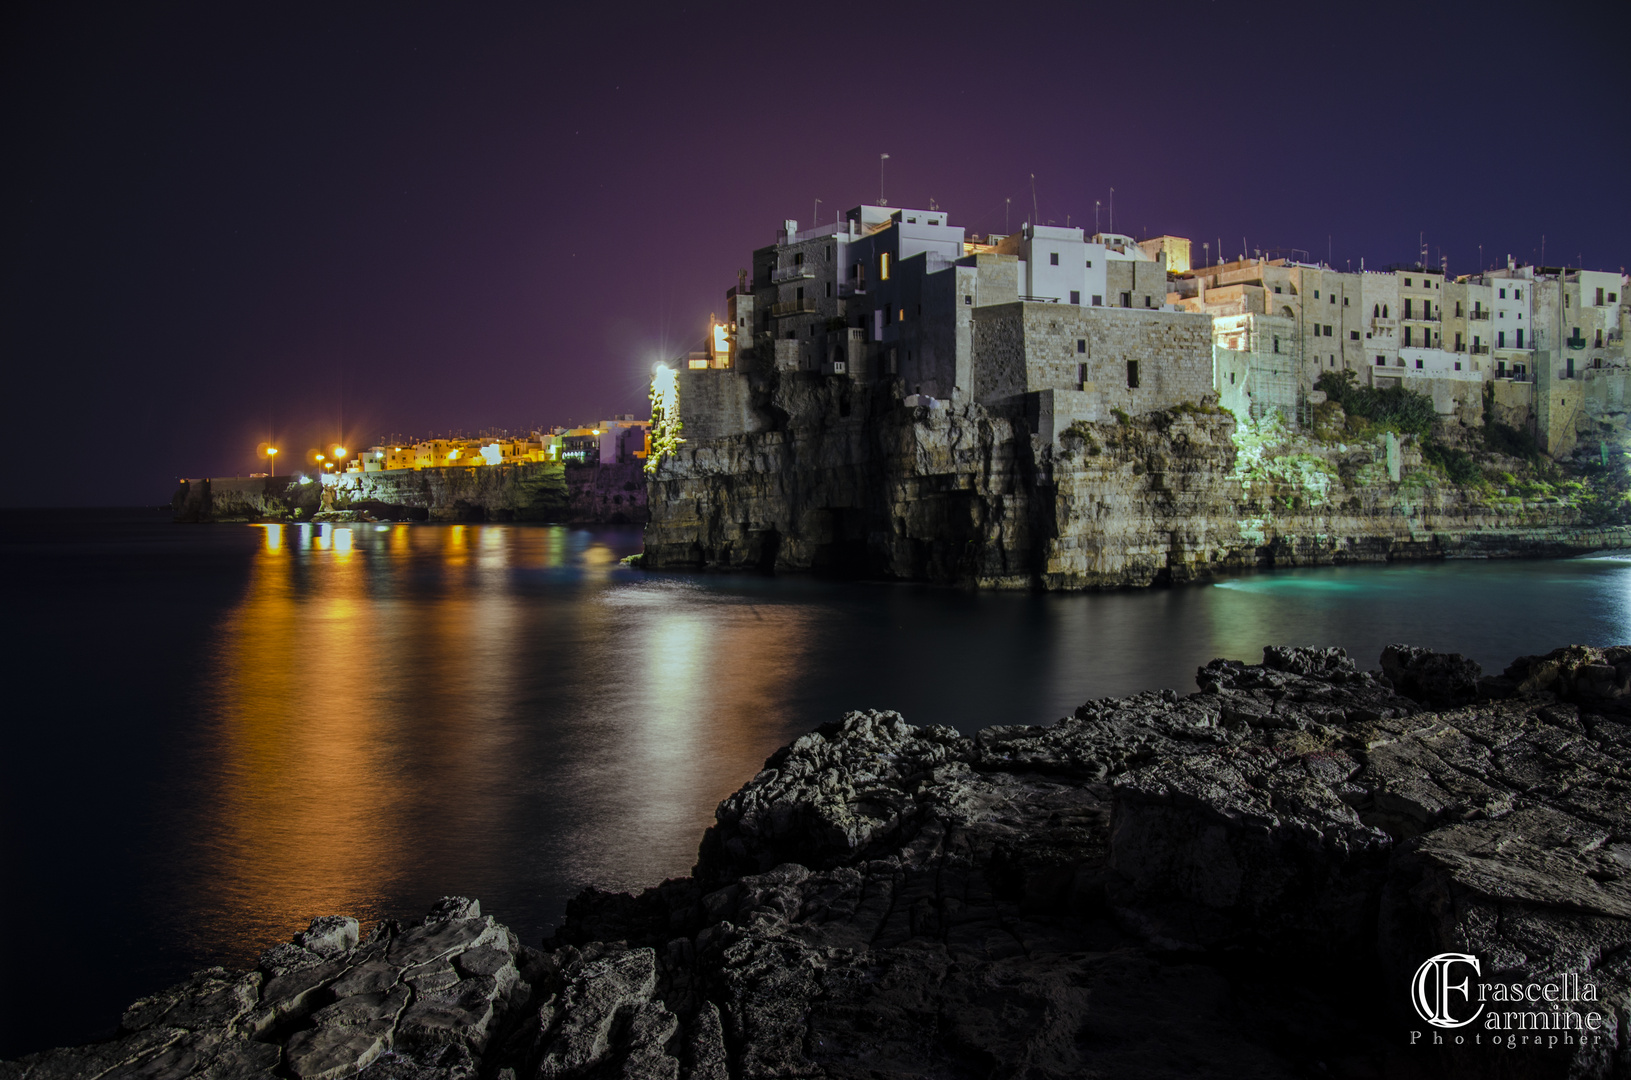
x=866, y=485
x=1247, y=881
x=611, y=494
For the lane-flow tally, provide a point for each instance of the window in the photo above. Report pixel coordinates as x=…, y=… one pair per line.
x=968, y=300
x=883, y=266
x=1381, y=361
x=1328, y=329
x=1353, y=335
x=1458, y=365
x=1376, y=311
x=1316, y=294
x=1098, y=301
x=1149, y=302
x=1081, y=345
x=1407, y=337
x=1384, y=311
x=1075, y=296
x=1418, y=365
x=1500, y=339
x=798, y=259
x=1053, y=258
x=1081, y=376
x=829, y=290
x=800, y=291
x=911, y=221
x=1458, y=309
x=1517, y=294
x=1599, y=297
x=902, y=315
x=1090, y=266
x=1407, y=306
x=1407, y=284
x=1599, y=337
x=1344, y=301
x=1331, y=299
x=1520, y=339
x=1503, y=294
x=1277, y=290
x=1126, y=299
x=1613, y=298
x=1132, y=374
x=1277, y=343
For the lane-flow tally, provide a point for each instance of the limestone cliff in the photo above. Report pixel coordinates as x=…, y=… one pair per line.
x=858, y=482
x=612, y=494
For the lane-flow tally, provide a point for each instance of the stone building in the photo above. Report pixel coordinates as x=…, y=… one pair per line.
x=1048, y=323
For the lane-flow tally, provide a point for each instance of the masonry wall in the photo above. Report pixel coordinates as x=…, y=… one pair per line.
x=1027, y=348
x=715, y=404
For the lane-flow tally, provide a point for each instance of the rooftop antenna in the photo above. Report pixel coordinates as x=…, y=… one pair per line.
x=1007, y=208
x=1096, y=216
x=1036, y=215
x=815, y=213
x=881, y=159
x=1480, y=258
x=1206, y=253
x=1112, y=209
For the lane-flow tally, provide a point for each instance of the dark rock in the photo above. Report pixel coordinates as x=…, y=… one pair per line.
x=1442, y=680
x=1236, y=883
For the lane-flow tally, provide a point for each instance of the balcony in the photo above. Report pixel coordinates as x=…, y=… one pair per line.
x=789, y=308
x=792, y=273
x=1480, y=350
x=1477, y=314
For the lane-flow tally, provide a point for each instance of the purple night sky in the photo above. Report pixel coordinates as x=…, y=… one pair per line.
x=235, y=222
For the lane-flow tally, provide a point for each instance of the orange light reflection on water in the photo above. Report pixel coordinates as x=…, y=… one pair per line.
x=396, y=716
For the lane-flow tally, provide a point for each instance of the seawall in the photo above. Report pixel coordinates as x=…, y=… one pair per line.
x=583, y=494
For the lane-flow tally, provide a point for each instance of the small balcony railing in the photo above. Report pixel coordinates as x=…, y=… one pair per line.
x=1478, y=313
x=1480, y=350
x=792, y=273
x=789, y=308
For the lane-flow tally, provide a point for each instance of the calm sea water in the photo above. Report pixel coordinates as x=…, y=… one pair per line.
x=213, y=733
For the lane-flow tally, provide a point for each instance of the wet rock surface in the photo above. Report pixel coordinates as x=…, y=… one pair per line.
x=1237, y=882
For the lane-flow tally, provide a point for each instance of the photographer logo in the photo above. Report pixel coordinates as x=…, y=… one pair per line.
x=1436, y=994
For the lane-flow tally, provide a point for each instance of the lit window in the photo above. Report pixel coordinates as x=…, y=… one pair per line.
x=883, y=266
x=968, y=300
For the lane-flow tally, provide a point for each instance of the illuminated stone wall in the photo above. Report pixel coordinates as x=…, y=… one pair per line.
x=1026, y=348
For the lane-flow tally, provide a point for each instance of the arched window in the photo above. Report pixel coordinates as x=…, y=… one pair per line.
x=1384, y=311
x=1376, y=311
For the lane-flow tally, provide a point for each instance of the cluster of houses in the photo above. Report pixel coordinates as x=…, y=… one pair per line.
x=1063, y=325
x=623, y=438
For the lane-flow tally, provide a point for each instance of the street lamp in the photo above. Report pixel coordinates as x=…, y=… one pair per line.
x=271, y=452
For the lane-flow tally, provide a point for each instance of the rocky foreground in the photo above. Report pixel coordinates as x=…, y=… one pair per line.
x=1240, y=882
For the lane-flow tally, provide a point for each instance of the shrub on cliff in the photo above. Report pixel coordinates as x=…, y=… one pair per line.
x=1457, y=464
x=1394, y=409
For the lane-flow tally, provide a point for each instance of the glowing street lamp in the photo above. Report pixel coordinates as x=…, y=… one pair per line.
x=271, y=452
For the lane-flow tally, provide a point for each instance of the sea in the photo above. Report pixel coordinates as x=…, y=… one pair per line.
x=214, y=733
